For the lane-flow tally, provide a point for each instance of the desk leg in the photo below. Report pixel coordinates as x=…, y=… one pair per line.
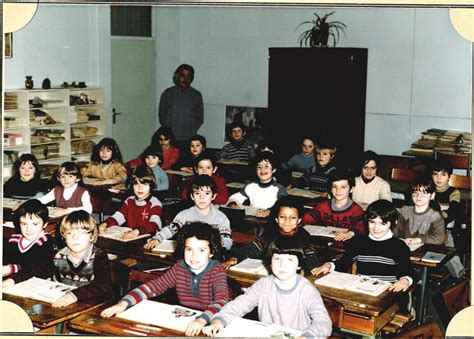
x=420, y=312
x=59, y=328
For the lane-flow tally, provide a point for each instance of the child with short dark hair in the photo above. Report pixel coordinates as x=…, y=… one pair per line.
x=448, y=197
x=202, y=191
x=106, y=164
x=26, y=181
x=197, y=145
x=287, y=213
x=318, y=177
x=197, y=252
x=379, y=255
x=80, y=263
x=153, y=157
x=69, y=195
x=205, y=165
x=284, y=298
x=142, y=211
x=420, y=223
x=303, y=161
x=339, y=211
x=238, y=147
x=266, y=191
x=30, y=246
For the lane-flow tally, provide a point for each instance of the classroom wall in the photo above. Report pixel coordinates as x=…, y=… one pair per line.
x=419, y=68
x=419, y=73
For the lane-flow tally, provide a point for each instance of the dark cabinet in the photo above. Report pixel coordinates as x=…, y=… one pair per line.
x=319, y=92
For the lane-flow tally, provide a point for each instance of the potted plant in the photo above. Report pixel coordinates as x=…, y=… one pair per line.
x=318, y=35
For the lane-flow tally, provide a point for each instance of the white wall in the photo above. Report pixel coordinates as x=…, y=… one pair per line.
x=419, y=68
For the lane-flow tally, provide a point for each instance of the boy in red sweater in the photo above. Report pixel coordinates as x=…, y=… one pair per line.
x=142, y=211
x=339, y=211
x=205, y=165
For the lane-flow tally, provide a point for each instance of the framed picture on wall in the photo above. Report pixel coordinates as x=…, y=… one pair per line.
x=8, y=45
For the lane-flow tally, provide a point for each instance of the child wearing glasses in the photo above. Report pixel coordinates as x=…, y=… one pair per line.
x=421, y=223
x=80, y=263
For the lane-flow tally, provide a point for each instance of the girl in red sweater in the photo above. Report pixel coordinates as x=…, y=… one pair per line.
x=199, y=244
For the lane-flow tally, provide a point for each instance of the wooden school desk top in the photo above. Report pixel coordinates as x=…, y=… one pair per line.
x=92, y=322
x=49, y=316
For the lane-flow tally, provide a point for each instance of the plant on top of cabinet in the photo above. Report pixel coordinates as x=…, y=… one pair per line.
x=318, y=35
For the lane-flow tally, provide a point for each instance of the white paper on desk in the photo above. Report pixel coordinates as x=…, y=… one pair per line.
x=414, y=247
x=12, y=203
x=296, y=174
x=253, y=266
x=324, y=231
x=159, y=314
x=250, y=211
x=181, y=173
x=237, y=185
x=352, y=282
x=9, y=224
x=299, y=192
x=241, y=327
x=233, y=162
x=166, y=246
x=39, y=289
x=116, y=232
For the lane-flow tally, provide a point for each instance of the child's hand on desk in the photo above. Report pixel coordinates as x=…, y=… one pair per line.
x=215, y=327
x=401, y=285
x=343, y=236
x=102, y=227
x=229, y=262
x=186, y=169
x=412, y=241
x=323, y=269
x=195, y=327
x=113, y=310
x=65, y=300
x=151, y=244
x=130, y=234
x=59, y=212
x=262, y=213
x=7, y=283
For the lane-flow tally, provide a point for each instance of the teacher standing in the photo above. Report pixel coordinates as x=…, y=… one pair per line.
x=181, y=106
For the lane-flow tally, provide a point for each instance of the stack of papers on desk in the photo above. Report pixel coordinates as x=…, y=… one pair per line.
x=116, y=232
x=299, y=192
x=241, y=327
x=166, y=246
x=324, y=231
x=354, y=283
x=252, y=266
x=39, y=289
x=159, y=314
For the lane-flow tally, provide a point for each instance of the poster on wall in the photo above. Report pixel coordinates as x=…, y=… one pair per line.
x=253, y=118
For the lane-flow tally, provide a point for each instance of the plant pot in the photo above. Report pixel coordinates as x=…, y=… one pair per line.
x=320, y=36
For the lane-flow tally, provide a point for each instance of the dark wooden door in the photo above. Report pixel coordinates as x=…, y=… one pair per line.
x=318, y=92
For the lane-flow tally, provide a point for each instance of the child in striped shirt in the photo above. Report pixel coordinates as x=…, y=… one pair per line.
x=200, y=281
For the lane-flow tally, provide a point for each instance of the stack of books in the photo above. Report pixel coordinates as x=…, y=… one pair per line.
x=40, y=118
x=440, y=140
x=48, y=151
x=10, y=101
x=82, y=146
x=46, y=135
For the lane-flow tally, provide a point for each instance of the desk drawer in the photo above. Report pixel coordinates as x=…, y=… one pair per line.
x=366, y=324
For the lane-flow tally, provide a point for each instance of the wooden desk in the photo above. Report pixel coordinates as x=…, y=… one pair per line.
x=416, y=256
x=50, y=319
x=349, y=311
x=92, y=322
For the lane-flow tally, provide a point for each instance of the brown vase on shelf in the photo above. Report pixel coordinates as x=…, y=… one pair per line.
x=29, y=82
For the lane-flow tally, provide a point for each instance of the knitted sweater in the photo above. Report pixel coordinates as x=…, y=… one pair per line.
x=300, y=162
x=258, y=248
x=222, y=193
x=162, y=182
x=260, y=195
x=300, y=308
x=317, y=178
x=428, y=225
x=387, y=260
x=144, y=215
x=113, y=173
x=326, y=214
x=243, y=150
x=375, y=190
x=20, y=253
x=449, y=198
x=207, y=291
x=214, y=218
x=17, y=188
